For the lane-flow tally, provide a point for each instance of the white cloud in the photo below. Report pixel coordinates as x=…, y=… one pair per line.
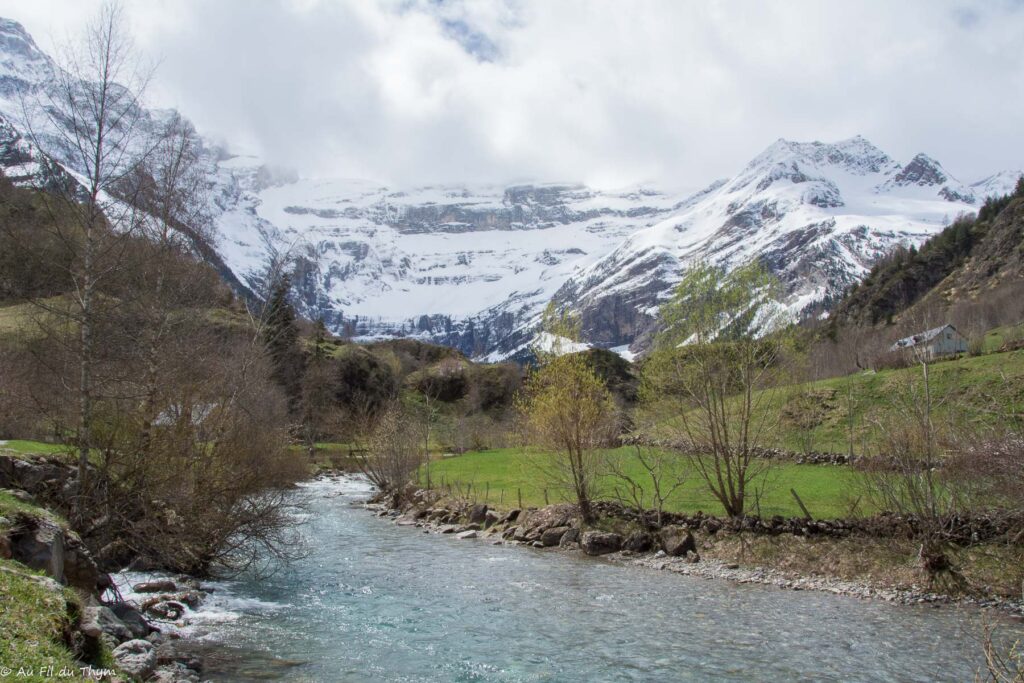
x=605, y=92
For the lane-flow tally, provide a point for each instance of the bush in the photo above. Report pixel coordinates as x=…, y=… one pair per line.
x=363, y=384
x=976, y=345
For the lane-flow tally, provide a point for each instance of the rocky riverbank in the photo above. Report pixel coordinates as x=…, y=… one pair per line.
x=139, y=633
x=681, y=547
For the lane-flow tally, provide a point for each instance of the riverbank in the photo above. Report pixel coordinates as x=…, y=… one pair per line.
x=61, y=611
x=868, y=568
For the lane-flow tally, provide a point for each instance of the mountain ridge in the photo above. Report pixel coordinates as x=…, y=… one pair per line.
x=472, y=266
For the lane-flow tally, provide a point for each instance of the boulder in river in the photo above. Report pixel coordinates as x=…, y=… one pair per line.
x=600, y=542
x=158, y=586
x=166, y=609
x=466, y=534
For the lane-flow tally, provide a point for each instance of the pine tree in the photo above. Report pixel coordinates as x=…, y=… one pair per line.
x=1019, y=191
x=316, y=389
x=281, y=337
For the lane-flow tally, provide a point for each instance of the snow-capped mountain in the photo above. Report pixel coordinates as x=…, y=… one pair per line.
x=473, y=266
x=465, y=266
x=817, y=214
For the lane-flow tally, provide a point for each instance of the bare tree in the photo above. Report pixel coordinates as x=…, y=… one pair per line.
x=662, y=473
x=92, y=120
x=395, y=449
x=716, y=366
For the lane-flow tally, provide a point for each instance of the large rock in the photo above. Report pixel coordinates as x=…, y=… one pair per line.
x=158, y=586
x=478, y=514
x=99, y=620
x=600, y=542
x=172, y=610
x=175, y=672
x=553, y=536
x=132, y=618
x=536, y=522
x=39, y=544
x=469, y=533
x=510, y=516
x=570, y=537
x=491, y=518
x=638, y=542
x=677, y=541
x=136, y=658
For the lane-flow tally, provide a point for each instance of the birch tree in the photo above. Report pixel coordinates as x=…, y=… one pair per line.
x=91, y=119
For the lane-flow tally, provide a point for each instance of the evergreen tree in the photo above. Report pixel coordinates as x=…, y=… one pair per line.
x=281, y=338
x=1019, y=191
x=317, y=389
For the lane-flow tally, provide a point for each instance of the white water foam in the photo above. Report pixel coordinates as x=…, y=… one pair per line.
x=220, y=605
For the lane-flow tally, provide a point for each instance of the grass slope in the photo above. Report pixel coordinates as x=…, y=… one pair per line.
x=969, y=389
x=34, y=615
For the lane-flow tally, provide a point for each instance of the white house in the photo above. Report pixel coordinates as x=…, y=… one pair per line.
x=934, y=343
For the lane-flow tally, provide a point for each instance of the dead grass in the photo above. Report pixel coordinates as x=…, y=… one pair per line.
x=990, y=569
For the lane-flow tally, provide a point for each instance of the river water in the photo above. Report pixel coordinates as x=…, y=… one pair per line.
x=376, y=602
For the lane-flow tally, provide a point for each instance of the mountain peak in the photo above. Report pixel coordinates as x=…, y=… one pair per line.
x=922, y=171
x=15, y=40
x=856, y=155
x=20, y=57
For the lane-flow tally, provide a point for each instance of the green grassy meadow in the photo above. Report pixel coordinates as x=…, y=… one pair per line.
x=500, y=476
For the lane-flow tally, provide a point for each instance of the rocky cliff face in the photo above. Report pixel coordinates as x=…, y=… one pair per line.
x=473, y=266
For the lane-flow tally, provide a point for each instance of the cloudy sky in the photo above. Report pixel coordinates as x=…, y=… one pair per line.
x=611, y=93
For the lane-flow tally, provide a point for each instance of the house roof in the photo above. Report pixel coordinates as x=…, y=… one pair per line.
x=921, y=337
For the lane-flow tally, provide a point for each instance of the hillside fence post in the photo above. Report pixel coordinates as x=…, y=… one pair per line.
x=807, y=515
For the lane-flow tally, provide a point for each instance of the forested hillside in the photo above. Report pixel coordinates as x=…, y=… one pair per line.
x=974, y=254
